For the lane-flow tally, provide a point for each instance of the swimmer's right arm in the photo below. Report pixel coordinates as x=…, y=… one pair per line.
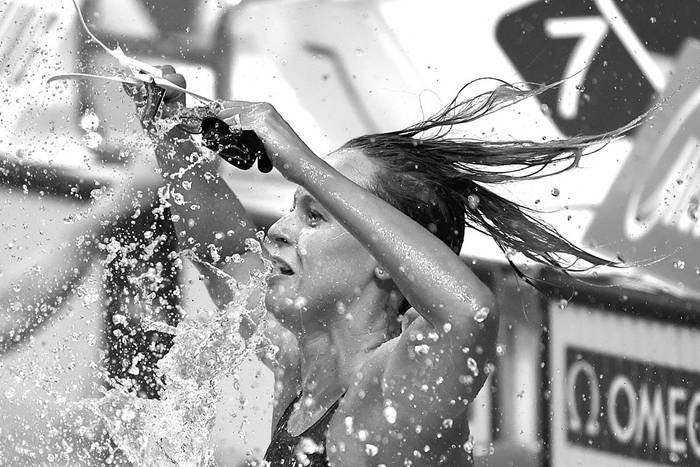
x=211, y=222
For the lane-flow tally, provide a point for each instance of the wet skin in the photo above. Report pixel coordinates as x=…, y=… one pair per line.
x=344, y=260
x=341, y=325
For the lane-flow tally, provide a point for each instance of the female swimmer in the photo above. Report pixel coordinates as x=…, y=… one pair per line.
x=385, y=335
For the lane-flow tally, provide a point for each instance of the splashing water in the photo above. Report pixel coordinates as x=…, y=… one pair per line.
x=176, y=429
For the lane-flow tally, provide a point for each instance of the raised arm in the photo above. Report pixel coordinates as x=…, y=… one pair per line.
x=431, y=276
x=211, y=222
x=455, y=307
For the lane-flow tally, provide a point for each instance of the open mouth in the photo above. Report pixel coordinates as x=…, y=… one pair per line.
x=281, y=266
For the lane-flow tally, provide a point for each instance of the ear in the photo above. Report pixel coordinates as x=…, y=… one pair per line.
x=382, y=274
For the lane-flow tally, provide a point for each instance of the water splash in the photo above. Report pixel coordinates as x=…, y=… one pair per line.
x=176, y=429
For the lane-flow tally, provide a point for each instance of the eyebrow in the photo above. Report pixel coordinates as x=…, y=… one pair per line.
x=304, y=196
x=301, y=195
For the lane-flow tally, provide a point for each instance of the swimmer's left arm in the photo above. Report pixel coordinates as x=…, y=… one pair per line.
x=436, y=282
x=452, y=302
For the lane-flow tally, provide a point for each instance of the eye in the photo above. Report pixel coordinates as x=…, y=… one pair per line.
x=314, y=217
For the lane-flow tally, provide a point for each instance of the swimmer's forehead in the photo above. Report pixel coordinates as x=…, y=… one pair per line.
x=352, y=163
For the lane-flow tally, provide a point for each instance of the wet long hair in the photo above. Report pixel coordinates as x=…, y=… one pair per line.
x=442, y=182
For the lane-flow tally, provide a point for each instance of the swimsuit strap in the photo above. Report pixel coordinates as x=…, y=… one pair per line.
x=282, y=445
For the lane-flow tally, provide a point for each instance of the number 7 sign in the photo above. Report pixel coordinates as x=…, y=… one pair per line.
x=609, y=51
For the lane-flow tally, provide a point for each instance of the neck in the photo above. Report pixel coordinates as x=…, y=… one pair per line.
x=334, y=350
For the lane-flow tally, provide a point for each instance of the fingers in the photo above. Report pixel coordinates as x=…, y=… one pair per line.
x=172, y=95
x=226, y=114
x=136, y=91
x=166, y=69
x=232, y=108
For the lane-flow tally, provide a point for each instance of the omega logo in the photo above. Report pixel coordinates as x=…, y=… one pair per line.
x=637, y=409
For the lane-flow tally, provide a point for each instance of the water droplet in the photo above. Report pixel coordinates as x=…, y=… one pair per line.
x=71, y=218
x=422, y=349
x=253, y=246
x=306, y=447
x=466, y=380
x=128, y=414
x=390, y=414
x=555, y=192
x=178, y=198
x=97, y=193
x=473, y=367
x=482, y=314
x=563, y=303
x=469, y=445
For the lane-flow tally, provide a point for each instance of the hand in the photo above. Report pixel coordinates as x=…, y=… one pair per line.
x=284, y=147
x=172, y=100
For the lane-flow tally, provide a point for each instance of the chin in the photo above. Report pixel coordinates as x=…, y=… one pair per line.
x=279, y=301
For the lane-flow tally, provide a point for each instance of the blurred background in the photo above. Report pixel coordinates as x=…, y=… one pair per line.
x=598, y=370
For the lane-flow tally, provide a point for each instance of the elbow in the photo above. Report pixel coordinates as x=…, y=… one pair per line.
x=478, y=315
x=483, y=307
x=487, y=313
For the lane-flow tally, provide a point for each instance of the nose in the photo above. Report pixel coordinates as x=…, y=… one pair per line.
x=280, y=233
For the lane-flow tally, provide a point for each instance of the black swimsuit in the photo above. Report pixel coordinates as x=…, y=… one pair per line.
x=283, y=446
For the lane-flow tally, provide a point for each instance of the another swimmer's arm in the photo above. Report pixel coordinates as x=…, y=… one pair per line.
x=34, y=290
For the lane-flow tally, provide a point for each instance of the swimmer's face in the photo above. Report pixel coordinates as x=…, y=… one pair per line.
x=320, y=266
